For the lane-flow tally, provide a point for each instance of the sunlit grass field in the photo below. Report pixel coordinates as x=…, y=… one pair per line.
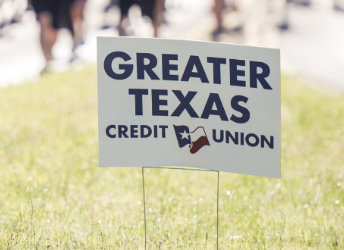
x=53, y=195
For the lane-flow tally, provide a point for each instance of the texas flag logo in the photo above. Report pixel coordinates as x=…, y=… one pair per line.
x=196, y=139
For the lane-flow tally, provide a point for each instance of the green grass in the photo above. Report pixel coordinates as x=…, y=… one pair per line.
x=53, y=195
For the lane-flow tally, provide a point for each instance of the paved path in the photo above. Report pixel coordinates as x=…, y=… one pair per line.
x=313, y=47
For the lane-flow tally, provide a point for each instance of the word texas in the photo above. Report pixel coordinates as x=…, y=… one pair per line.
x=146, y=65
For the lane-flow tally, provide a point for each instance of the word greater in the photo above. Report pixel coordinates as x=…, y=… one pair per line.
x=213, y=105
x=146, y=64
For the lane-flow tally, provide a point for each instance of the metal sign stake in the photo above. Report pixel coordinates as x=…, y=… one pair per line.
x=144, y=206
x=218, y=199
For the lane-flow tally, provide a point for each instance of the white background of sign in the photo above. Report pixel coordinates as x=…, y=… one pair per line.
x=117, y=107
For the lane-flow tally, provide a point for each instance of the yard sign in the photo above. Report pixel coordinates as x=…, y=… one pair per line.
x=187, y=103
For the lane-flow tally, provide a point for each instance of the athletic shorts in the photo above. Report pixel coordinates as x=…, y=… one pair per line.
x=147, y=7
x=59, y=10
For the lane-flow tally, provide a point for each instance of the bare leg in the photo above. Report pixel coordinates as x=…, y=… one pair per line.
x=121, y=30
x=48, y=34
x=77, y=17
x=218, y=7
x=158, y=15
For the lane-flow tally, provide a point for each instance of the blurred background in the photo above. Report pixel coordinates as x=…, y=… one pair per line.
x=54, y=195
x=57, y=35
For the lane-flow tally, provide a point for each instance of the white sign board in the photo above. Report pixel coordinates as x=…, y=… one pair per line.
x=186, y=103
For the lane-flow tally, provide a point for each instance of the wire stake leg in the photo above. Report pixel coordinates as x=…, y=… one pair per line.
x=144, y=206
x=218, y=201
